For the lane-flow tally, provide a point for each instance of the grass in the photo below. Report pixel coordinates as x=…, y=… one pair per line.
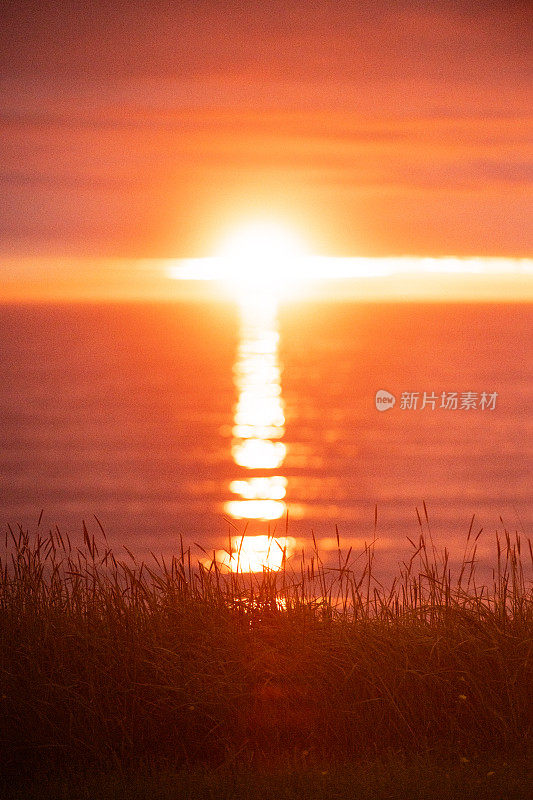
x=177, y=680
x=395, y=778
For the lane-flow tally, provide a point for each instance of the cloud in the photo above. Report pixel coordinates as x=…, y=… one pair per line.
x=134, y=130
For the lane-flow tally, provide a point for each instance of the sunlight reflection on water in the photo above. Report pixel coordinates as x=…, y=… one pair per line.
x=259, y=426
x=256, y=553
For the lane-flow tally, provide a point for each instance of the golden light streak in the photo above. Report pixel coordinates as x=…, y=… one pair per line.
x=255, y=509
x=259, y=425
x=274, y=487
x=258, y=453
x=256, y=553
x=466, y=277
x=259, y=418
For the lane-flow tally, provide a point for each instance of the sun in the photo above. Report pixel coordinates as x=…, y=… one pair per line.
x=263, y=240
x=262, y=254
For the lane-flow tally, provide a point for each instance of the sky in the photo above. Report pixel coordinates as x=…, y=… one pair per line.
x=145, y=130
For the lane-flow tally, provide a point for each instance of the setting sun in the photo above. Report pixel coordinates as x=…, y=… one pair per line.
x=262, y=254
x=265, y=244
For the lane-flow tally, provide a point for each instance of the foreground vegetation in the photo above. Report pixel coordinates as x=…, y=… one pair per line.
x=424, y=777
x=281, y=684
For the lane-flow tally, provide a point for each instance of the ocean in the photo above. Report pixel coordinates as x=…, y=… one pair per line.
x=202, y=420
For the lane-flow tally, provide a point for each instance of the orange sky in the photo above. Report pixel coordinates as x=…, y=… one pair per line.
x=145, y=130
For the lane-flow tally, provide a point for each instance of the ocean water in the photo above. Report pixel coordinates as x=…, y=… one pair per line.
x=204, y=419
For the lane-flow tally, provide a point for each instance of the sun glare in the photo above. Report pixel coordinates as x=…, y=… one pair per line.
x=262, y=254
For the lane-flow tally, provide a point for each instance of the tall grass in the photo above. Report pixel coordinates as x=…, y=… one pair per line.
x=112, y=662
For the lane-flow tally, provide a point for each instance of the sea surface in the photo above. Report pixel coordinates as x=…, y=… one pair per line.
x=209, y=419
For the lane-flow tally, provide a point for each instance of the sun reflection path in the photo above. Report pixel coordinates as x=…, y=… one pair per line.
x=258, y=429
x=259, y=419
x=256, y=553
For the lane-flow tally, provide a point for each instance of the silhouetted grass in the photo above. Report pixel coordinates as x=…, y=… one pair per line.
x=420, y=776
x=110, y=665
